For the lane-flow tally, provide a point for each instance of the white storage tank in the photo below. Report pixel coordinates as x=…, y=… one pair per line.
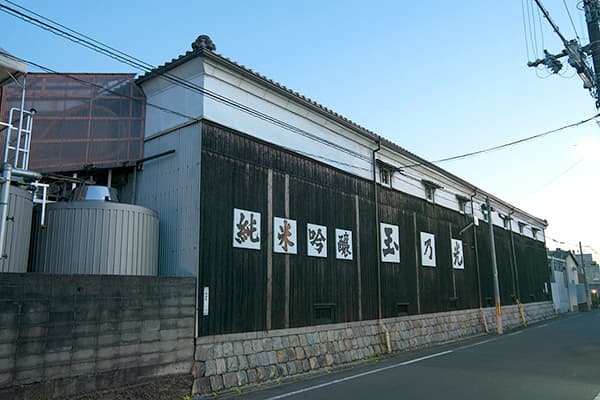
x=18, y=231
x=96, y=237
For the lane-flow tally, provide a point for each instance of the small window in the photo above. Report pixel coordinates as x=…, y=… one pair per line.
x=384, y=176
x=324, y=313
x=386, y=172
x=453, y=303
x=402, y=309
x=522, y=226
x=430, y=193
x=462, y=203
x=505, y=221
x=430, y=188
x=535, y=232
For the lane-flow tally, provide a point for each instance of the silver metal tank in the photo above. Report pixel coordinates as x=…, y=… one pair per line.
x=96, y=237
x=18, y=231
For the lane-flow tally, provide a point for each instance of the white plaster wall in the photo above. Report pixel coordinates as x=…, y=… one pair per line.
x=164, y=93
x=349, y=152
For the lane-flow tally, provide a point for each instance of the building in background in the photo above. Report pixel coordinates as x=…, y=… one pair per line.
x=592, y=273
x=568, y=289
x=87, y=126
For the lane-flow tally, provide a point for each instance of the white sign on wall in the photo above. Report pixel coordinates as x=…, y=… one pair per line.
x=246, y=229
x=316, y=239
x=390, y=243
x=427, y=249
x=284, y=236
x=458, y=259
x=205, y=301
x=343, y=244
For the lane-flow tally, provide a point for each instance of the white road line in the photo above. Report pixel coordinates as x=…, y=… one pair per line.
x=374, y=371
x=426, y=357
x=476, y=344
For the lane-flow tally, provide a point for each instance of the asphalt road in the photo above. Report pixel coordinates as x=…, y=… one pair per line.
x=557, y=359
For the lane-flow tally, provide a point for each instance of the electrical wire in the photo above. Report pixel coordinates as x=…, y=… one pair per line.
x=97, y=86
x=139, y=64
x=539, y=14
x=532, y=30
x=576, y=246
x=176, y=80
x=572, y=23
x=592, y=249
x=510, y=144
x=165, y=109
x=525, y=29
x=554, y=179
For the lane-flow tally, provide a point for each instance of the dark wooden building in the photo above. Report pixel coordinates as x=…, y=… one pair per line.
x=291, y=215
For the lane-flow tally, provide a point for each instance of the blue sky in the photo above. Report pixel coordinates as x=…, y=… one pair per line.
x=438, y=78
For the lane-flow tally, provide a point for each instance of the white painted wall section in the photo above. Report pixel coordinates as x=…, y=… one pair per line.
x=164, y=93
x=305, y=131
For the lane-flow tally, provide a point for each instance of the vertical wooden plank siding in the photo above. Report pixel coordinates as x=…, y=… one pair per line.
x=287, y=257
x=254, y=290
x=269, y=248
x=417, y=267
x=358, y=272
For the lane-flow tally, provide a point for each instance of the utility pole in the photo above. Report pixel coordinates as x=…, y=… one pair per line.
x=494, y=268
x=577, y=55
x=588, y=299
x=591, y=17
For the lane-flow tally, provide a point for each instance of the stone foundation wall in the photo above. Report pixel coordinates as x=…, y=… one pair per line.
x=229, y=361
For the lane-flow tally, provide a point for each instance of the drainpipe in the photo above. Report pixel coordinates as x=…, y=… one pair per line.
x=7, y=173
x=514, y=254
x=515, y=271
x=483, y=317
x=382, y=326
x=4, y=195
x=499, y=327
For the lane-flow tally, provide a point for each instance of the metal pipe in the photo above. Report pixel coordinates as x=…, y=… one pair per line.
x=476, y=251
x=386, y=332
x=18, y=145
x=588, y=298
x=109, y=178
x=517, y=289
x=494, y=268
x=376, y=199
x=30, y=175
x=4, y=196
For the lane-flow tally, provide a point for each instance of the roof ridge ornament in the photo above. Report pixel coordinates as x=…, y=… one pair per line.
x=203, y=42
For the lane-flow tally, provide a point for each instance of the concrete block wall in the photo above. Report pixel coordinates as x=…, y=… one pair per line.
x=78, y=333
x=228, y=361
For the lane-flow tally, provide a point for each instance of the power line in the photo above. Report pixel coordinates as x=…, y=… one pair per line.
x=120, y=56
x=525, y=29
x=554, y=179
x=97, y=86
x=101, y=48
x=573, y=245
x=190, y=118
x=572, y=23
x=509, y=144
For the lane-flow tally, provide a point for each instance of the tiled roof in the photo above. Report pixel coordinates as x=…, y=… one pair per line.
x=562, y=254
